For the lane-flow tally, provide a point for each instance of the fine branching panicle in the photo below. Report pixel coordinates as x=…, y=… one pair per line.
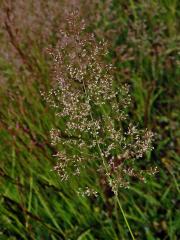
x=98, y=135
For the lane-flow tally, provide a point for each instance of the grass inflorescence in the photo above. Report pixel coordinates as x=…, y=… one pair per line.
x=34, y=204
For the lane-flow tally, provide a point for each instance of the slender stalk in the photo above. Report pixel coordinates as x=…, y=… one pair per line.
x=124, y=216
x=105, y=166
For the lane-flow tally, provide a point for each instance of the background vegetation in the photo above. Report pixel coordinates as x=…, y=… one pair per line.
x=144, y=45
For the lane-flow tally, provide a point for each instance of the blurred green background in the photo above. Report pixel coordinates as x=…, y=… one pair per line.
x=144, y=44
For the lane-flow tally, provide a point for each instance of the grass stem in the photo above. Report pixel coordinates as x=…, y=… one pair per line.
x=124, y=216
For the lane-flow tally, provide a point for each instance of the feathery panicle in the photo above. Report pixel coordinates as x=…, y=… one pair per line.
x=98, y=132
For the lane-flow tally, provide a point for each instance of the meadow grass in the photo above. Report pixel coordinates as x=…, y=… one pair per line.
x=34, y=204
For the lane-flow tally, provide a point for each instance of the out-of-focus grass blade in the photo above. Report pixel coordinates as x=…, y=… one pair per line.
x=48, y=211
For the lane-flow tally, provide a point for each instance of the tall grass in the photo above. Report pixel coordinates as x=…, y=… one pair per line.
x=34, y=204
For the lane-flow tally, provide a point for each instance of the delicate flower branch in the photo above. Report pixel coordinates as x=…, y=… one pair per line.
x=94, y=107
